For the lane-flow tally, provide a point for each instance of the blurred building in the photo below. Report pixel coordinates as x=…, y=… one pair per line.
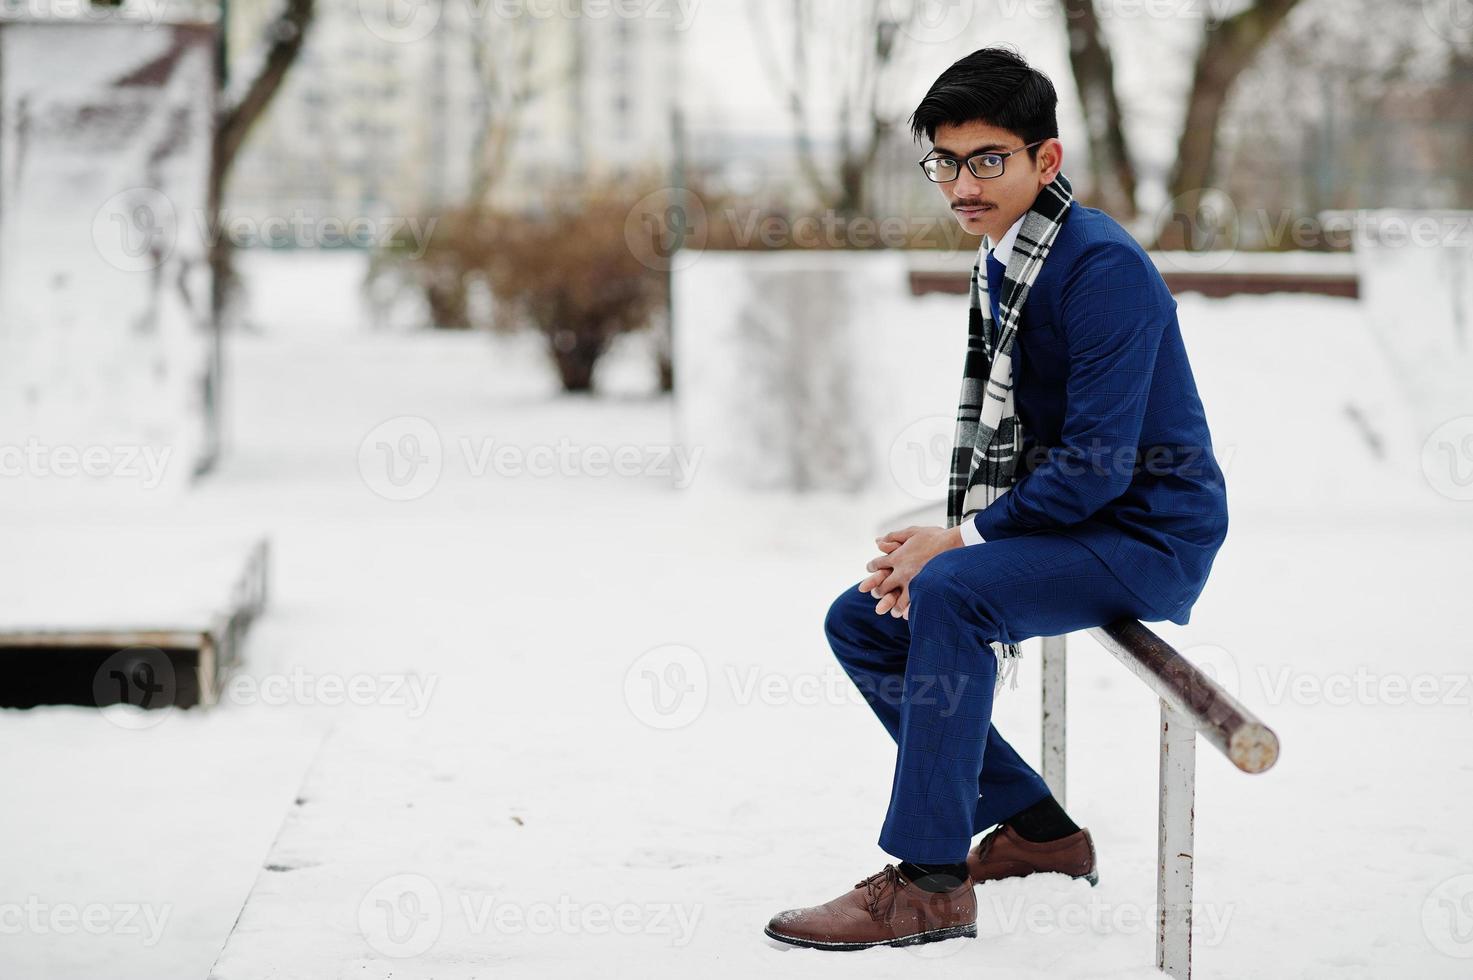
x=384, y=117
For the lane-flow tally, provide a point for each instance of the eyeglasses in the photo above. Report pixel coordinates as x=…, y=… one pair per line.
x=986, y=165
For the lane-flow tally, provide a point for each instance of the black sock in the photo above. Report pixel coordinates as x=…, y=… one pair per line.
x=934, y=877
x=1043, y=821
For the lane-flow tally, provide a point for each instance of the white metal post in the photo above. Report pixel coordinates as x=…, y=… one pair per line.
x=1055, y=655
x=1174, y=844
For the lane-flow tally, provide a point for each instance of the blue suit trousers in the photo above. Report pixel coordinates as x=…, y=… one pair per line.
x=931, y=678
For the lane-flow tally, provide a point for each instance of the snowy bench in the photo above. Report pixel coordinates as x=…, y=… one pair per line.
x=147, y=616
x=1191, y=703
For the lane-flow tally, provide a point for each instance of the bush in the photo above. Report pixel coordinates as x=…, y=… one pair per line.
x=565, y=271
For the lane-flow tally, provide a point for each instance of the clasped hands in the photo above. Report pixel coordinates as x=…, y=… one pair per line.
x=903, y=554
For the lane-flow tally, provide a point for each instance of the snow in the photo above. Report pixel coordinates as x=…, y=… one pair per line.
x=598, y=730
x=1416, y=270
x=744, y=374
x=131, y=583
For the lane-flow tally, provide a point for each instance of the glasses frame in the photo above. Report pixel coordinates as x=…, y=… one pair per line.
x=968, y=161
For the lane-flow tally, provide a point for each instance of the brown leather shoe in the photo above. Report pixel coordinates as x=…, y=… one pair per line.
x=884, y=909
x=1003, y=854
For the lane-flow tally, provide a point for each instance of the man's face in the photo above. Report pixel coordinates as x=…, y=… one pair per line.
x=989, y=206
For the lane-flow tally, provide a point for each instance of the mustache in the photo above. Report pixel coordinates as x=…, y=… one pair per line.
x=969, y=204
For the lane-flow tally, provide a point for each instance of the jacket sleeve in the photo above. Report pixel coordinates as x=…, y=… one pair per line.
x=1113, y=314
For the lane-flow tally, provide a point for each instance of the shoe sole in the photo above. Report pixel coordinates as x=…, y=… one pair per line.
x=934, y=936
x=1092, y=877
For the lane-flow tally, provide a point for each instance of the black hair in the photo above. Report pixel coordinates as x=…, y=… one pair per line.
x=995, y=86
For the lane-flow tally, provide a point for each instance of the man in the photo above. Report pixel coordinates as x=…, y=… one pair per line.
x=1084, y=490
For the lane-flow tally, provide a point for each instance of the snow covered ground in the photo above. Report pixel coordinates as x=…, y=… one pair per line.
x=527, y=717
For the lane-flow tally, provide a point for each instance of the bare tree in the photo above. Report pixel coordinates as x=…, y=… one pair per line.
x=283, y=43
x=1228, y=47
x=850, y=48
x=1292, y=140
x=1112, y=174
x=505, y=68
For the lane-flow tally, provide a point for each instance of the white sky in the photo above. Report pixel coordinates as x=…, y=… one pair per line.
x=725, y=78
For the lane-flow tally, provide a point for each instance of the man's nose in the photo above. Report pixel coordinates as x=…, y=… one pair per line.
x=968, y=185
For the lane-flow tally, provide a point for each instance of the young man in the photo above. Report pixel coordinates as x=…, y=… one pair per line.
x=1084, y=490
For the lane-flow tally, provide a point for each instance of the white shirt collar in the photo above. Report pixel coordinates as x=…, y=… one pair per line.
x=1003, y=250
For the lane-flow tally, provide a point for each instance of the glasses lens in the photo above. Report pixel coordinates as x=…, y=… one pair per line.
x=940, y=169
x=986, y=165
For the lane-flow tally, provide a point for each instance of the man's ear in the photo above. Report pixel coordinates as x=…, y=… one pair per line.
x=1050, y=159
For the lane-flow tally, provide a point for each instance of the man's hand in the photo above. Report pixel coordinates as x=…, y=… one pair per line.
x=905, y=553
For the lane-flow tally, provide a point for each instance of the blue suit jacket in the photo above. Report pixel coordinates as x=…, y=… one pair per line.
x=1117, y=454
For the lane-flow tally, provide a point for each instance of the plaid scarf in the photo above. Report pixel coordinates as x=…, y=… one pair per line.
x=989, y=434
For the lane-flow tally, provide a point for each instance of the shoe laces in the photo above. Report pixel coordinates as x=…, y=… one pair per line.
x=985, y=845
x=878, y=885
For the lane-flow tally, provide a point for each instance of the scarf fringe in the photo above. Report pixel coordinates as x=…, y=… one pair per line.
x=1007, y=666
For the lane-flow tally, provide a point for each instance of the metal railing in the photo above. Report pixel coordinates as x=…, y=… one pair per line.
x=1191, y=703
